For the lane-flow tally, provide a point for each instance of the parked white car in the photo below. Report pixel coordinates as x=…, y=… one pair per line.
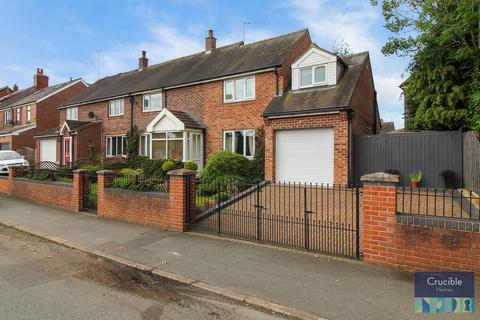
x=9, y=159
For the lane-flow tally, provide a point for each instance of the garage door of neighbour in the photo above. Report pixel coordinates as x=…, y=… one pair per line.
x=305, y=155
x=48, y=150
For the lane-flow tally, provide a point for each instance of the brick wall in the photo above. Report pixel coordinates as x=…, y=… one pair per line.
x=166, y=210
x=339, y=123
x=4, y=185
x=412, y=248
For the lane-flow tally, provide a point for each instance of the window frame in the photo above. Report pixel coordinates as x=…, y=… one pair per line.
x=149, y=95
x=68, y=115
x=167, y=139
x=233, y=81
x=18, y=115
x=108, y=153
x=110, y=107
x=313, y=68
x=29, y=114
x=7, y=119
x=146, y=144
x=244, y=136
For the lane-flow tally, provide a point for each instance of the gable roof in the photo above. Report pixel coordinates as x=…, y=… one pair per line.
x=225, y=61
x=321, y=99
x=45, y=92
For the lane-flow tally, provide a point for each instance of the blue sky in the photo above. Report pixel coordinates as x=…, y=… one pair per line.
x=63, y=36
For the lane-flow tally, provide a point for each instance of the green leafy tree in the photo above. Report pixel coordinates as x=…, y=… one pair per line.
x=133, y=139
x=442, y=38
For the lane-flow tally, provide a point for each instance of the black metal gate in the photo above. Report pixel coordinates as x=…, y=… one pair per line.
x=313, y=217
x=90, y=192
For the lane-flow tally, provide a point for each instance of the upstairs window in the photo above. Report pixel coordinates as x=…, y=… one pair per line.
x=239, y=89
x=72, y=113
x=29, y=114
x=7, y=117
x=18, y=115
x=116, y=107
x=313, y=76
x=240, y=141
x=152, y=102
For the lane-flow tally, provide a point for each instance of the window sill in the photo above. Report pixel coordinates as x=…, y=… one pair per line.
x=322, y=84
x=150, y=111
x=239, y=101
x=117, y=116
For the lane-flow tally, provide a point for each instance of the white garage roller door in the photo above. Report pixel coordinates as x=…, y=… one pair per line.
x=48, y=150
x=305, y=155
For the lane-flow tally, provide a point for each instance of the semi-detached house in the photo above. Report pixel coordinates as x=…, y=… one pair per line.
x=24, y=113
x=308, y=101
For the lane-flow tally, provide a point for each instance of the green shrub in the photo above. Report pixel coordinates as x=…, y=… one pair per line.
x=153, y=167
x=91, y=167
x=168, y=166
x=190, y=165
x=221, y=196
x=40, y=176
x=135, y=185
x=137, y=161
x=132, y=172
x=226, y=165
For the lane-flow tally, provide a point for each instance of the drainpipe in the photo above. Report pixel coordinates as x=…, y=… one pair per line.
x=276, y=81
x=350, y=150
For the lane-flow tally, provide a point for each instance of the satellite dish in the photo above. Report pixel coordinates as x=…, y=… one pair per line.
x=91, y=115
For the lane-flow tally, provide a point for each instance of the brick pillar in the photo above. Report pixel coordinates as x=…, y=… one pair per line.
x=104, y=179
x=379, y=209
x=180, y=196
x=79, y=177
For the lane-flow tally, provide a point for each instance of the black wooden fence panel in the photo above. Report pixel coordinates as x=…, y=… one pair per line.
x=430, y=152
x=471, y=161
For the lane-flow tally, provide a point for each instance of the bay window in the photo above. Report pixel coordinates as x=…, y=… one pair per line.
x=312, y=76
x=116, y=107
x=116, y=146
x=240, y=141
x=239, y=89
x=152, y=102
x=72, y=113
x=167, y=145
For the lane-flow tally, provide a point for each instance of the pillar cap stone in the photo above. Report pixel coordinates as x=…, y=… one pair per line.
x=80, y=171
x=105, y=172
x=182, y=172
x=380, y=177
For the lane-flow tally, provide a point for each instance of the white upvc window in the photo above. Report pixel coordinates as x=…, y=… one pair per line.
x=152, y=102
x=72, y=113
x=144, y=147
x=116, y=146
x=29, y=113
x=313, y=76
x=116, y=107
x=18, y=115
x=239, y=89
x=240, y=141
x=168, y=145
x=7, y=117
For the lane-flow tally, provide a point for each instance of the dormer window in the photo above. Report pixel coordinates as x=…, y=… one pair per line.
x=313, y=76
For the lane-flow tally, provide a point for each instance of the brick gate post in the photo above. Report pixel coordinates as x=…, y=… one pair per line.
x=79, y=176
x=379, y=209
x=104, y=179
x=180, y=191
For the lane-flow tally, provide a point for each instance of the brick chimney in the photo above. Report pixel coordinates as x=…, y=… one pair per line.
x=15, y=88
x=40, y=80
x=210, y=42
x=143, y=61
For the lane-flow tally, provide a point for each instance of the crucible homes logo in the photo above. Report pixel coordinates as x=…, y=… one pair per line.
x=444, y=292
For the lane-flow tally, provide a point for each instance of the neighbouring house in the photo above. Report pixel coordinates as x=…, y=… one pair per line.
x=309, y=102
x=24, y=113
x=387, y=126
x=5, y=91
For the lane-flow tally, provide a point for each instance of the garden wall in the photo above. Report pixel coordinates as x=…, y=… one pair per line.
x=391, y=239
x=162, y=209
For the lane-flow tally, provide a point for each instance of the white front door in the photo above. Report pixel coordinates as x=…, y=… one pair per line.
x=196, y=149
x=305, y=155
x=48, y=150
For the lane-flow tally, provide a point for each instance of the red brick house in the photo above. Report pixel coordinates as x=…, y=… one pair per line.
x=191, y=107
x=24, y=113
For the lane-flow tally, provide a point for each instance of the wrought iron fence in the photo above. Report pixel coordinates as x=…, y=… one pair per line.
x=139, y=182
x=48, y=175
x=450, y=203
x=314, y=217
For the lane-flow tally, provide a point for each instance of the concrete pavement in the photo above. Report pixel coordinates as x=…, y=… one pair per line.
x=327, y=287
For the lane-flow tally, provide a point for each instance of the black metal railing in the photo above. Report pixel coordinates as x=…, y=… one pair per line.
x=449, y=203
x=314, y=217
x=139, y=182
x=47, y=175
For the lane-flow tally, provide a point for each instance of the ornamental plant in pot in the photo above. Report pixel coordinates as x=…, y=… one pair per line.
x=415, y=178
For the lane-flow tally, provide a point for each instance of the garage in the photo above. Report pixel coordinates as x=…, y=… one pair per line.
x=305, y=155
x=48, y=150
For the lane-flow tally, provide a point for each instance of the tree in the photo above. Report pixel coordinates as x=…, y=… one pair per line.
x=342, y=48
x=442, y=38
x=133, y=139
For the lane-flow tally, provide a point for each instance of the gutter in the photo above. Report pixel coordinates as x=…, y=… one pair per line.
x=305, y=113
